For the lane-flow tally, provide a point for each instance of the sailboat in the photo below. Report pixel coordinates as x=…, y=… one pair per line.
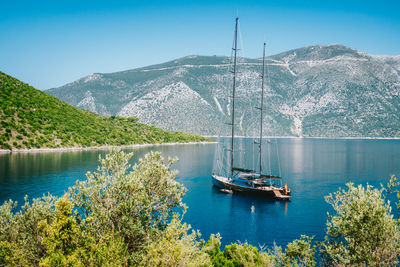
x=243, y=180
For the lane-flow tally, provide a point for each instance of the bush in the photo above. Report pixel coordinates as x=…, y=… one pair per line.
x=363, y=231
x=6, y=146
x=300, y=252
x=67, y=245
x=176, y=247
x=236, y=254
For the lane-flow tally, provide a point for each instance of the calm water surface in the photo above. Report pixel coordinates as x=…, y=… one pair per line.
x=312, y=168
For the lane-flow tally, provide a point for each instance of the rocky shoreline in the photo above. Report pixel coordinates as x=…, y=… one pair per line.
x=105, y=147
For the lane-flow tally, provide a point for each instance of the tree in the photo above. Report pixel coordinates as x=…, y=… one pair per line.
x=68, y=245
x=236, y=254
x=19, y=232
x=62, y=238
x=118, y=213
x=300, y=252
x=363, y=231
x=137, y=204
x=176, y=247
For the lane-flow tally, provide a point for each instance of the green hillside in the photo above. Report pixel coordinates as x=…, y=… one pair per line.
x=31, y=118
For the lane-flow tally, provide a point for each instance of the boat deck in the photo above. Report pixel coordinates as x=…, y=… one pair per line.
x=278, y=194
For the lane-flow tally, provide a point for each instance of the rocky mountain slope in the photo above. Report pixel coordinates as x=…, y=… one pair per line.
x=331, y=91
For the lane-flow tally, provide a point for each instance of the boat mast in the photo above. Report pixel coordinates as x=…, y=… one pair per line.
x=262, y=107
x=233, y=93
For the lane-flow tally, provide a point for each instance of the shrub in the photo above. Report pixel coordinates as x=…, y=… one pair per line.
x=363, y=231
x=176, y=247
x=236, y=254
x=6, y=146
x=300, y=252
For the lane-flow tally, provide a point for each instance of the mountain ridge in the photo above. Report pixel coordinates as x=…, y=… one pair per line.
x=331, y=91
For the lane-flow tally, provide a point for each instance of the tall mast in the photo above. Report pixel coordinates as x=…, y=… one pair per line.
x=233, y=94
x=262, y=107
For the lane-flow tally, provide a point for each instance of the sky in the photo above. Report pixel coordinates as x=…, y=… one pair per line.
x=50, y=43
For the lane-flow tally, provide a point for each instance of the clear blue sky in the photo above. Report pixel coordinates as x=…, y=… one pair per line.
x=50, y=43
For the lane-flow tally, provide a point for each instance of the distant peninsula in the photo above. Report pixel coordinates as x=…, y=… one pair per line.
x=32, y=119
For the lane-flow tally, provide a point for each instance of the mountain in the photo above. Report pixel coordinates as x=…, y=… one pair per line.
x=330, y=91
x=30, y=118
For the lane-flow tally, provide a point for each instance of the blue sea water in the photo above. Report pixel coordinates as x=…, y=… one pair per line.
x=312, y=168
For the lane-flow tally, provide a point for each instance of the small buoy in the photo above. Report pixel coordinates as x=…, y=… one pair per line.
x=253, y=208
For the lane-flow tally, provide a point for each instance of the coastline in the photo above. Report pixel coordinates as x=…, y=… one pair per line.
x=105, y=147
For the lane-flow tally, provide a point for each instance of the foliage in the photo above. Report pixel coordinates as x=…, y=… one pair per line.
x=67, y=245
x=136, y=204
x=236, y=254
x=33, y=119
x=19, y=232
x=363, y=231
x=112, y=218
x=176, y=247
x=299, y=252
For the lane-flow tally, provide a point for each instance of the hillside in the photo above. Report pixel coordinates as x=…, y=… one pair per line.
x=330, y=91
x=33, y=119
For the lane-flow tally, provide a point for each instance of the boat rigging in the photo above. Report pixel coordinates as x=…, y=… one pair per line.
x=243, y=180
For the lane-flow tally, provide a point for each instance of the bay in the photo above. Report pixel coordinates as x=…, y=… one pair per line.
x=312, y=168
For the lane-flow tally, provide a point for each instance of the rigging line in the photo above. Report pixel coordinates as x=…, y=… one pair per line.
x=261, y=108
x=233, y=98
x=273, y=131
x=241, y=59
x=222, y=157
x=254, y=165
x=218, y=156
x=279, y=164
x=269, y=158
x=269, y=161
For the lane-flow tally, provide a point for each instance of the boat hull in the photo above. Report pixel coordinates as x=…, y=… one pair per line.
x=223, y=183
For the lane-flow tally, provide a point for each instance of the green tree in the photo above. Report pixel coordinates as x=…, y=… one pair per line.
x=137, y=203
x=68, y=245
x=19, y=231
x=176, y=247
x=62, y=238
x=236, y=254
x=300, y=252
x=363, y=231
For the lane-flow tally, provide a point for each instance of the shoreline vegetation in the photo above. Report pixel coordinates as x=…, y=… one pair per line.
x=105, y=147
x=32, y=119
x=124, y=215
